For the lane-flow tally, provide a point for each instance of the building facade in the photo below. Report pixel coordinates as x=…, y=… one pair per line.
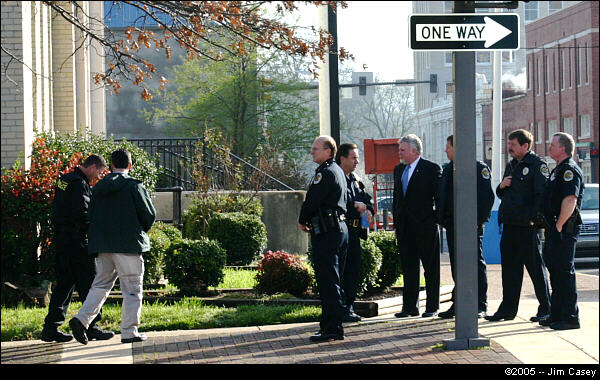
x=46, y=78
x=434, y=111
x=562, y=85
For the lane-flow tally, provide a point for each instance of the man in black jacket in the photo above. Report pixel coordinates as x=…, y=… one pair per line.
x=485, y=201
x=74, y=266
x=322, y=214
x=416, y=186
x=521, y=193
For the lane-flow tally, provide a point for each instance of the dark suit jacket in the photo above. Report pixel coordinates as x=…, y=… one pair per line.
x=417, y=207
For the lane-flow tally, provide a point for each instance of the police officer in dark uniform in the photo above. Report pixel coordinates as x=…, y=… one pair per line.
x=322, y=214
x=357, y=204
x=75, y=268
x=485, y=201
x=521, y=193
x=562, y=202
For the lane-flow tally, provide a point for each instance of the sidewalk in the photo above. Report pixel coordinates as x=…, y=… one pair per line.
x=382, y=339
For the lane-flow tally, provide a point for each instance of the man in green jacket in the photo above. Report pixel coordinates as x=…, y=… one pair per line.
x=121, y=213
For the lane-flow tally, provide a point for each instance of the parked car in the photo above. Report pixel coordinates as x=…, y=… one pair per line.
x=385, y=202
x=587, y=244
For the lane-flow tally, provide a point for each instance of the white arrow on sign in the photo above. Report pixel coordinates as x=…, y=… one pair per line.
x=490, y=32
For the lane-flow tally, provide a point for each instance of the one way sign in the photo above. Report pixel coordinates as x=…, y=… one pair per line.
x=465, y=31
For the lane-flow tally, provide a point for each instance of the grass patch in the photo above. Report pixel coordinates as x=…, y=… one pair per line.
x=238, y=278
x=25, y=323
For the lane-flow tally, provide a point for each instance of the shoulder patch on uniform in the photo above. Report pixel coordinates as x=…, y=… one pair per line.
x=545, y=171
x=568, y=175
x=485, y=173
x=61, y=184
x=318, y=178
x=525, y=170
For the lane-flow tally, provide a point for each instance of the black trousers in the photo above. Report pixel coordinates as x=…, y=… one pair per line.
x=351, y=273
x=75, y=269
x=329, y=255
x=559, y=255
x=420, y=243
x=520, y=246
x=482, y=283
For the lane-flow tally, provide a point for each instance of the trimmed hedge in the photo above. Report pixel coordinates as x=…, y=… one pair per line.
x=243, y=236
x=391, y=267
x=281, y=272
x=370, y=264
x=194, y=265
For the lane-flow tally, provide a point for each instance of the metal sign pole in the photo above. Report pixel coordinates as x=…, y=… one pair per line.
x=465, y=190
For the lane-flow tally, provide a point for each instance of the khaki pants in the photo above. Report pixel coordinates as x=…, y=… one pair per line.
x=129, y=268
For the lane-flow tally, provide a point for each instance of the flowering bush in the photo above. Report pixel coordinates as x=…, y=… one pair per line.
x=27, y=195
x=281, y=272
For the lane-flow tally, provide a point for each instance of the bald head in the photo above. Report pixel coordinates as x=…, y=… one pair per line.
x=323, y=149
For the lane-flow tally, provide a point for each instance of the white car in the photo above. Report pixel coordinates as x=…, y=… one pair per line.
x=587, y=244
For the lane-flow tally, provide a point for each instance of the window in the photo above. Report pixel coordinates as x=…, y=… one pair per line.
x=570, y=68
x=529, y=75
x=578, y=64
x=448, y=58
x=554, y=6
x=508, y=56
x=587, y=77
x=586, y=168
x=449, y=88
x=484, y=57
x=568, y=126
x=582, y=72
x=531, y=11
x=539, y=77
x=564, y=68
x=539, y=132
x=547, y=73
x=554, y=71
x=551, y=129
x=584, y=126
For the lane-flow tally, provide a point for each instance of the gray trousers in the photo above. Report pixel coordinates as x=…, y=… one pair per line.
x=129, y=268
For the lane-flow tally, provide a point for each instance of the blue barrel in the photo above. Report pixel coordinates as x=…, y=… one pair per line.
x=491, y=240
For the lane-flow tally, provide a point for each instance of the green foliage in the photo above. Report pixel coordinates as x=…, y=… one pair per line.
x=194, y=265
x=243, y=236
x=281, y=272
x=198, y=215
x=172, y=232
x=391, y=267
x=143, y=168
x=154, y=259
x=370, y=263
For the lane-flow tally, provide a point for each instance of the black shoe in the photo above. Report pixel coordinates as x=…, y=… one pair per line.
x=447, y=314
x=325, y=337
x=55, y=335
x=352, y=317
x=481, y=314
x=138, y=338
x=499, y=317
x=546, y=321
x=404, y=314
x=78, y=330
x=537, y=318
x=564, y=325
x=99, y=334
x=429, y=314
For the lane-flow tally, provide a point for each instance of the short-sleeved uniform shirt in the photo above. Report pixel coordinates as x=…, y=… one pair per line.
x=566, y=179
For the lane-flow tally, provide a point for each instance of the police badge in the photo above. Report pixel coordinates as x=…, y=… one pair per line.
x=317, y=178
x=525, y=170
x=568, y=175
x=485, y=173
x=545, y=171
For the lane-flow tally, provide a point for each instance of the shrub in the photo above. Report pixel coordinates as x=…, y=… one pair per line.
x=154, y=259
x=370, y=263
x=391, y=267
x=172, y=232
x=243, y=236
x=26, y=196
x=197, y=216
x=194, y=265
x=281, y=272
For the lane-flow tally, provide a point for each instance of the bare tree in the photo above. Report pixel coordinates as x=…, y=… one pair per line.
x=196, y=26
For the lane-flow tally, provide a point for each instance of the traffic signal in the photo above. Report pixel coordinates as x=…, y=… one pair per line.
x=362, y=89
x=594, y=153
x=433, y=88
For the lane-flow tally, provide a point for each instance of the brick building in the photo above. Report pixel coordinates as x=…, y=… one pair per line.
x=562, y=86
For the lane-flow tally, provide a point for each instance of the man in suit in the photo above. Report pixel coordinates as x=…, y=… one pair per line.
x=416, y=185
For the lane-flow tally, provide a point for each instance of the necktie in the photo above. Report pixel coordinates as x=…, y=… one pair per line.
x=405, y=179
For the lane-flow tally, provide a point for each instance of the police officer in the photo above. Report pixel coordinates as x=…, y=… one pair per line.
x=562, y=202
x=521, y=193
x=485, y=201
x=347, y=158
x=322, y=214
x=75, y=268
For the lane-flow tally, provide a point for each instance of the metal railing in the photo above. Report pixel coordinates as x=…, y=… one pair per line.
x=177, y=158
